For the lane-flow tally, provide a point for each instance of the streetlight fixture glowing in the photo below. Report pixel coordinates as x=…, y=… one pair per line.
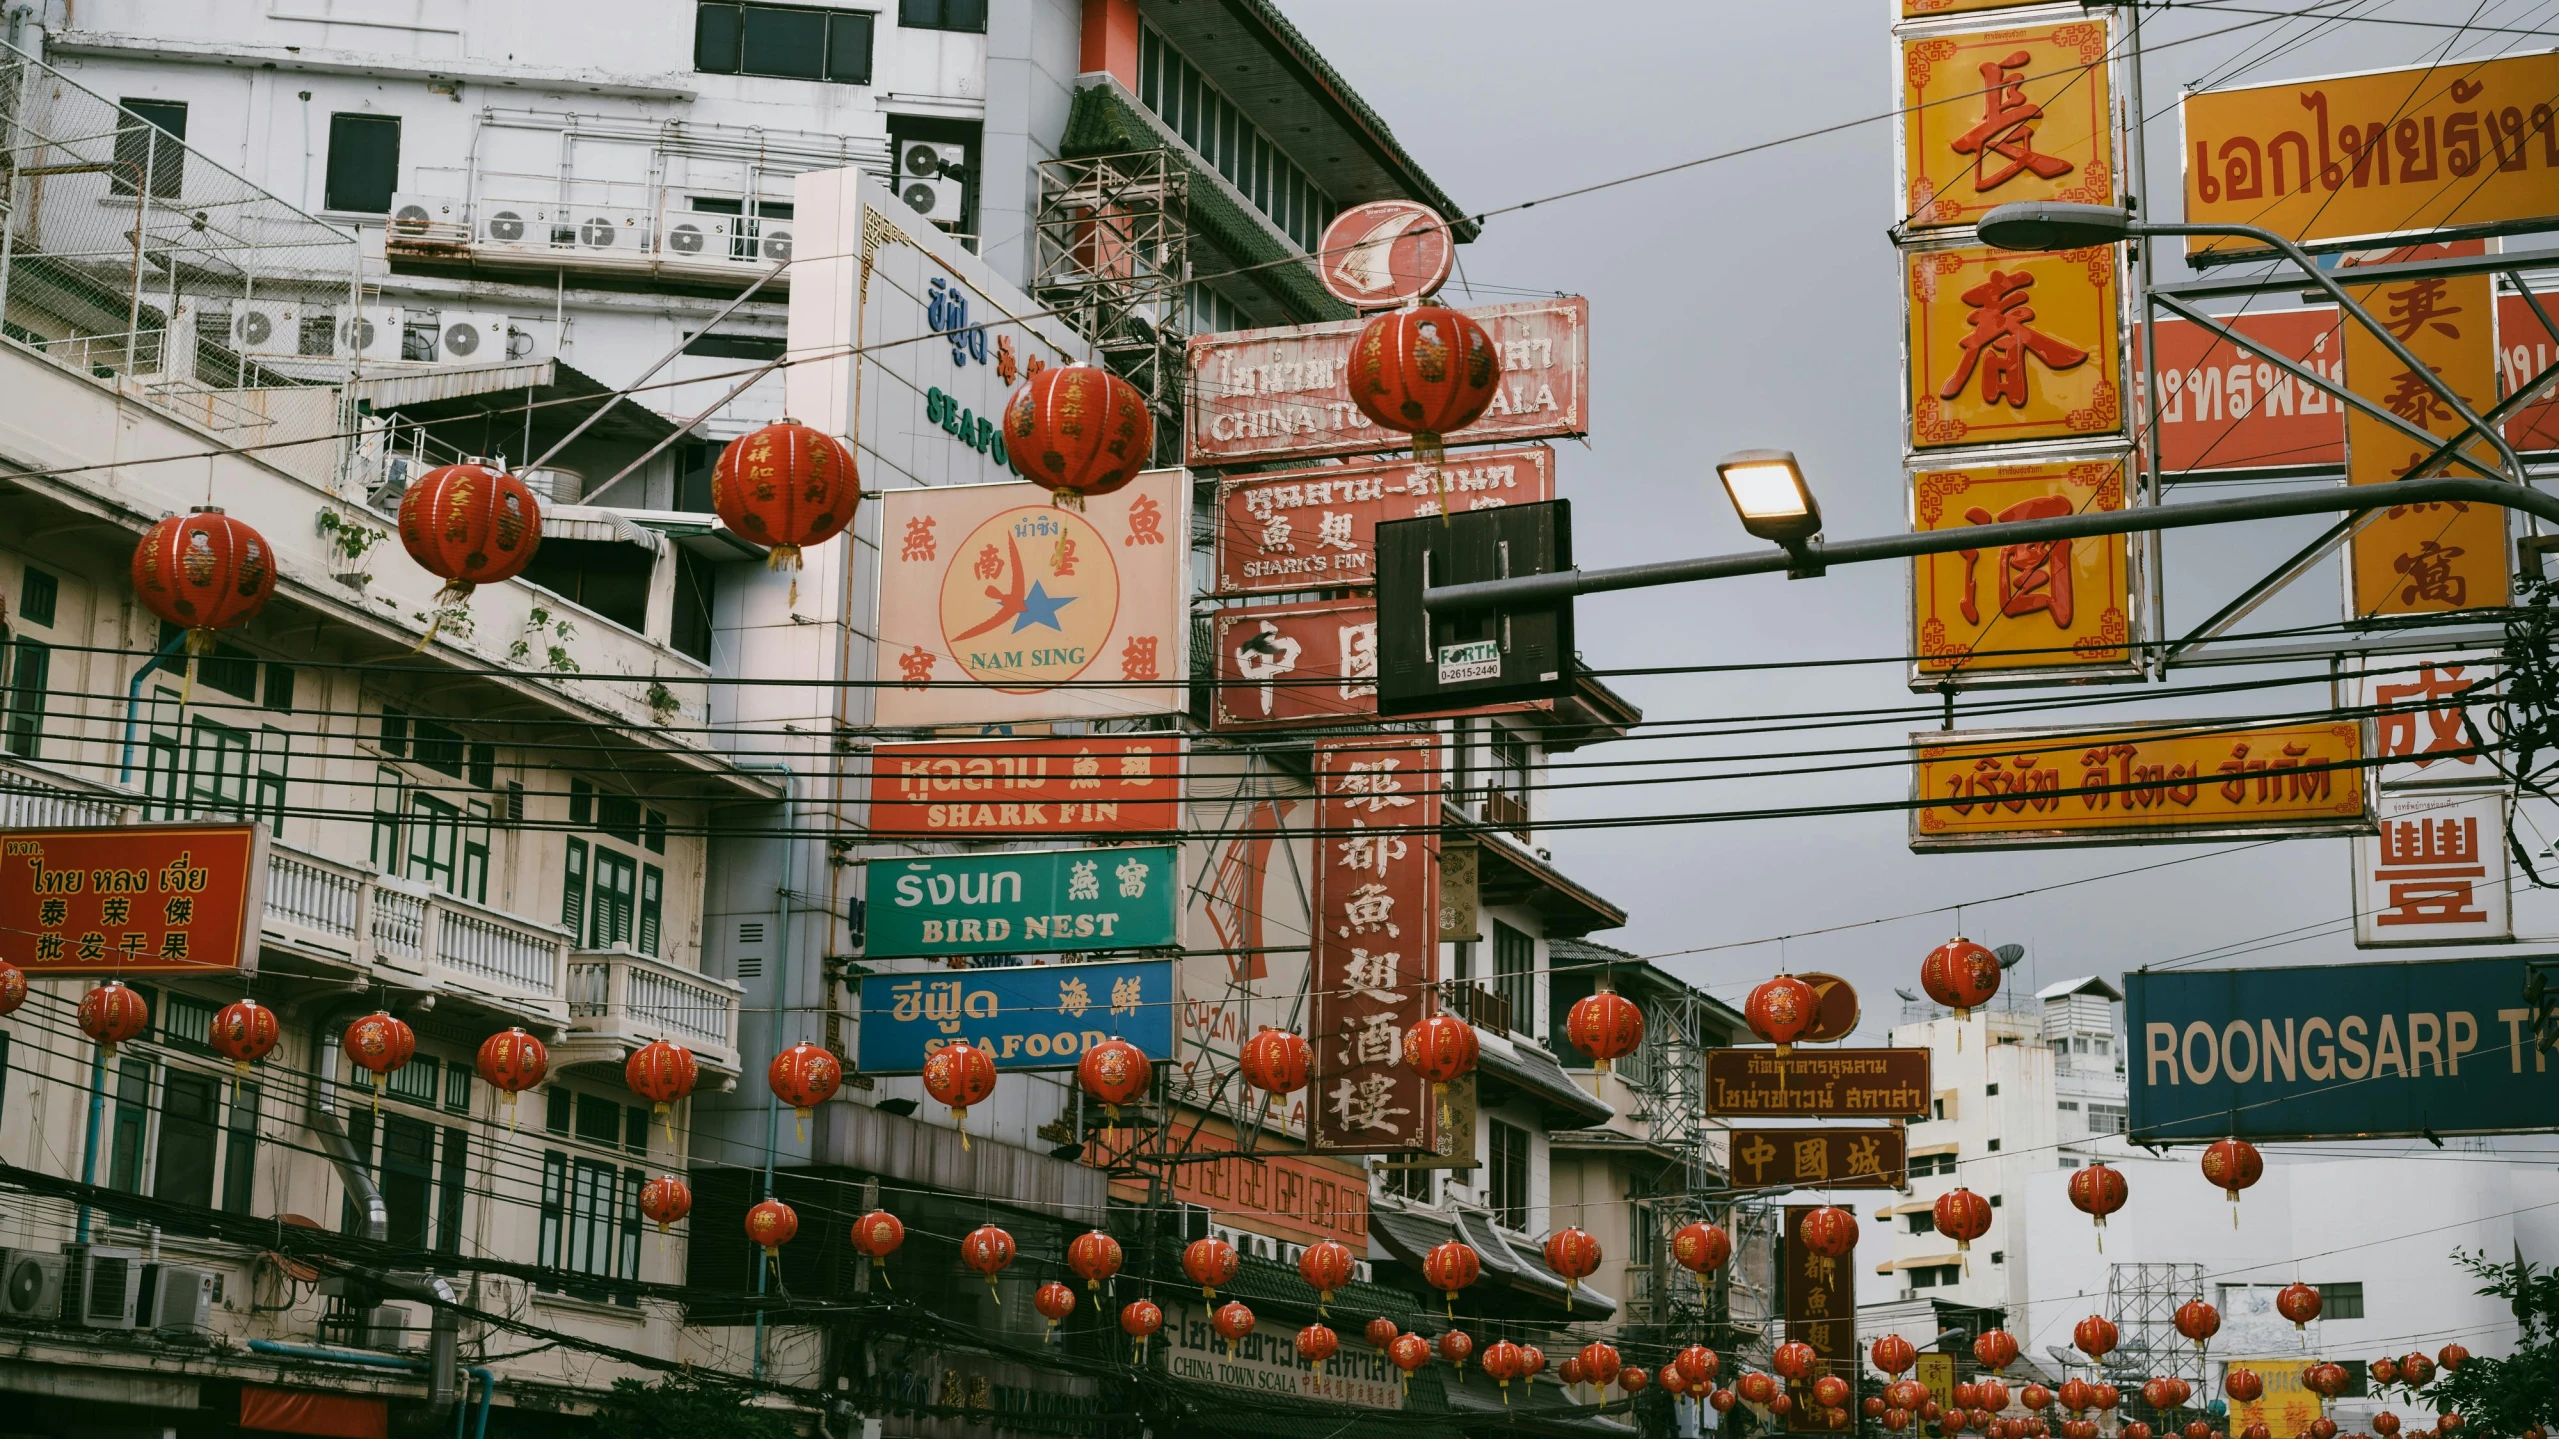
x=1768, y=491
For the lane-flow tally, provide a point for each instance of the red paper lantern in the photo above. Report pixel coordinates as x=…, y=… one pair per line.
x=1504, y=1362
x=665, y=1200
x=2095, y=1336
x=1962, y=1216
x=1700, y=1248
x=1570, y=1371
x=1115, y=1072
x=1409, y=1353
x=2452, y=1356
x=1094, y=1256
x=1317, y=1343
x=2035, y=1397
x=2200, y=1429
x=1139, y=1319
x=878, y=1234
x=1780, y=1009
x=2385, y=1424
x=1756, y=1387
x=1276, y=1061
x=203, y=571
x=786, y=486
x=1442, y=1047
x=1054, y=1301
x=1830, y=1391
x=1380, y=1332
x=987, y=1249
x=959, y=1074
x=1574, y=1254
x=2108, y=1397
x=1967, y=1394
x=772, y=1224
x=2076, y=1395
x=1532, y=1360
x=2159, y=1394
x=2416, y=1370
x=1325, y=1266
x=1450, y=1267
x=1425, y=371
x=2298, y=1303
x=379, y=1043
x=1723, y=1400
x=1794, y=1359
x=1606, y=1026
x=2384, y=1371
x=1698, y=1365
x=2132, y=1429
x=2448, y=1423
x=512, y=1062
x=1996, y=1349
x=1960, y=975
x=1895, y=1420
x=2242, y=1385
x=1232, y=1321
x=1210, y=1262
x=1632, y=1379
x=1671, y=1382
x=13, y=987
x=1830, y=1232
x=1993, y=1394
x=2232, y=1165
x=1905, y=1394
x=1454, y=1346
x=243, y=1031
x=1892, y=1354
x=2256, y=1431
x=2198, y=1321
x=661, y=1073
x=2098, y=1191
x=804, y=1076
x=1078, y=430
x=1872, y=1406
x=469, y=525
x=1600, y=1363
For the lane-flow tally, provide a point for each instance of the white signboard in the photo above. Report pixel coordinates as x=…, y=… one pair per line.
x=2425, y=711
x=1266, y=1362
x=2438, y=871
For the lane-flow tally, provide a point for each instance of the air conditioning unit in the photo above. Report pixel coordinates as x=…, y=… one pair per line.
x=386, y=1328
x=470, y=337
x=611, y=232
x=259, y=327
x=692, y=235
x=397, y=471
x=425, y=217
x=929, y=178
x=370, y=333
x=110, y=1287
x=177, y=1301
x=513, y=225
x=30, y=1284
x=772, y=241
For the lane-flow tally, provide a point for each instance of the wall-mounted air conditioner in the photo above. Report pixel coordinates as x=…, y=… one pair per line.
x=425, y=217
x=928, y=178
x=262, y=327
x=176, y=1301
x=692, y=235
x=513, y=225
x=370, y=333
x=772, y=241
x=110, y=1287
x=603, y=231
x=30, y=1284
x=470, y=337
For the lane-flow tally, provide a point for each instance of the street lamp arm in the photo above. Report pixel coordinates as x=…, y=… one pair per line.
x=1529, y=590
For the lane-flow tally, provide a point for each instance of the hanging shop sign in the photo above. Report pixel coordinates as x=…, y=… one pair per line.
x=1011, y=786
x=1828, y=1158
x=2439, y=146
x=1284, y=394
x=999, y=607
x=2079, y=786
x=2021, y=610
x=2005, y=346
x=1453, y=1148
x=1753, y=1083
x=1293, y=1197
x=133, y=899
x=1460, y=891
x=1992, y=117
x=2433, y=558
x=2285, y=1405
x=1378, y=255
x=2225, y=407
x=1376, y=941
x=2525, y=348
x=2431, y=717
x=1931, y=9
x=1024, y=902
x=1297, y=665
x=1821, y=1312
x=2369, y=1050
x=1041, y=1016
x=2437, y=871
x=1317, y=529
x=1265, y=1362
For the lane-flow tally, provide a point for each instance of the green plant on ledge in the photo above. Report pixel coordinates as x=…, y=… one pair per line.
x=553, y=634
x=351, y=541
x=663, y=703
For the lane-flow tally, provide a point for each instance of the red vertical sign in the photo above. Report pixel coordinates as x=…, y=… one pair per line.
x=1821, y=1311
x=1376, y=941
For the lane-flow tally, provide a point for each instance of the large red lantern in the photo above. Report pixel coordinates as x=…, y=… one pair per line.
x=2384, y=1371
x=1325, y=1266
x=1450, y=1267
x=1115, y=1072
x=1232, y=1321
x=470, y=525
x=1574, y=1254
x=1409, y=1353
x=1570, y=1371
x=1503, y=1361
x=1830, y=1391
x=1094, y=1256
x=2416, y=1370
x=1994, y=1395
x=1442, y=1047
x=2098, y=1191
x=203, y=571
x=2108, y=1397
x=1701, y=1248
x=1794, y=1359
x=2132, y=1429
x=379, y=1043
x=2231, y=1165
x=1317, y=1343
x=1962, y=1216
x=1077, y=430
x=1698, y=1365
x=1455, y=1345
x=1600, y=1364
x=1632, y=1379
x=772, y=1224
x=1210, y=1262
x=665, y=1200
x=2451, y=1356
x=786, y=486
x=2076, y=1395
x=1425, y=371
x=1724, y=1400
x=1781, y=1009
x=2385, y=1424
x=804, y=1076
x=959, y=1074
x=1606, y=1026
x=2298, y=1303
x=243, y=1031
x=512, y=1063
x=987, y=1249
x=1756, y=1387
x=2242, y=1385
x=1960, y=975
x=661, y=1072
x=1831, y=1232
x=1276, y=1061
x=1532, y=1361
x=1380, y=1332
x=2200, y=1429
x=1140, y=1318
x=112, y=1014
x=1054, y=1301
x=878, y=1235
x=2095, y=1336
x=2158, y=1393
x=1892, y=1354
x=2198, y=1321
x=13, y=987
x=2035, y=1397
x=1996, y=1349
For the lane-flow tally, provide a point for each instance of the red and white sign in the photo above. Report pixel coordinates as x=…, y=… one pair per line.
x=1317, y=529
x=133, y=899
x=2525, y=349
x=1378, y=255
x=2436, y=873
x=2227, y=407
x=1285, y=394
x=990, y=788
x=1376, y=942
x=2425, y=711
x=1309, y=664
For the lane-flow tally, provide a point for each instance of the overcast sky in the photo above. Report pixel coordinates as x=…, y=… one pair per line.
x=1751, y=302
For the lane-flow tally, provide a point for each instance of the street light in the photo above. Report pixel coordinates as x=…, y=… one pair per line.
x=2053, y=225
x=1768, y=491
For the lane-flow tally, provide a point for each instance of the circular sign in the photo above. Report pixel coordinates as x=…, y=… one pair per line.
x=1834, y=1009
x=1379, y=255
x=1029, y=599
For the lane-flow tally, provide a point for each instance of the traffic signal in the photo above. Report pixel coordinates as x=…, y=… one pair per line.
x=1429, y=662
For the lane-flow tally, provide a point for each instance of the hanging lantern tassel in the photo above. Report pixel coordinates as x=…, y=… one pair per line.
x=786, y=557
x=666, y=1112
x=1439, y=1091
x=453, y=599
x=800, y=1122
x=1072, y=500
x=510, y=1128
x=991, y=1291
x=960, y=1117
x=199, y=643
x=880, y=1266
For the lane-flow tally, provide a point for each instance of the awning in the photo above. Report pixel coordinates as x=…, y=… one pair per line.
x=1534, y=1074
x=1531, y=1412
x=492, y=398
x=1925, y=1261
x=1509, y=874
x=1515, y=1283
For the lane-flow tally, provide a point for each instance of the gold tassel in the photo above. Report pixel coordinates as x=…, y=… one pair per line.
x=1067, y=500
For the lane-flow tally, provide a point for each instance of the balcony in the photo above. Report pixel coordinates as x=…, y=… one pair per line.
x=1479, y=1007
x=619, y=1001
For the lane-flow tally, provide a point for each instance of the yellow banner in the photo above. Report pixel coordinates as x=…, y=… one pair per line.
x=2083, y=787
x=2060, y=604
x=2003, y=115
x=2287, y=1407
x=2363, y=156
x=2012, y=346
x=2435, y=558
x=1937, y=1371
x=1925, y=9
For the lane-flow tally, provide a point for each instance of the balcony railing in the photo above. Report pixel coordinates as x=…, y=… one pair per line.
x=1482, y=1008
x=618, y=1000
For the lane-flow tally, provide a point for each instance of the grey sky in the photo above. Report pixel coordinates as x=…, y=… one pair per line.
x=1750, y=303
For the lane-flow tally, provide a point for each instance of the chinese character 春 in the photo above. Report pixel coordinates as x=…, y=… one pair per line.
x=1137, y=660
x=2032, y=577
x=1276, y=533
x=1373, y=976
x=2402, y=706
x=1265, y=657
x=1359, y=660
x=2419, y=306
x=180, y=909
x=1369, y=908
x=1088, y=771
x=1336, y=531
x=1084, y=880
x=2430, y=575
x=1145, y=522
x=1812, y=1159
x=1132, y=877
x=1756, y=1154
x=1372, y=785
x=917, y=667
x=116, y=909
x=2007, y=127
x=1125, y=995
x=1865, y=1156
x=1365, y=851
x=1073, y=998
x=53, y=912
x=989, y=565
x=2002, y=337
x=1372, y=1039
x=919, y=539
x=1368, y=1103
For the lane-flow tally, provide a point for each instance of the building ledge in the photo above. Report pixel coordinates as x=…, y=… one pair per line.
x=1510, y=874
x=1511, y=1272
x=1533, y=1074
x=306, y=60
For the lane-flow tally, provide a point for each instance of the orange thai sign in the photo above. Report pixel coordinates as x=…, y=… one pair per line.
x=133, y=899
x=1317, y=528
x=2058, y=604
x=2077, y=786
x=2226, y=406
x=1924, y=9
x=987, y=788
x=2355, y=157
x=2431, y=558
x=2009, y=346
x=1998, y=116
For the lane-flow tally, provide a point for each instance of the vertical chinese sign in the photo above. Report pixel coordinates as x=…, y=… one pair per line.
x=1821, y=1311
x=2058, y=604
x=2433, y=558
x=2006, y=346
x=1997, y=116
x=1376, y=899
x=2438, y=870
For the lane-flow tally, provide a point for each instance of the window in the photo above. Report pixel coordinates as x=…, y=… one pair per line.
x=619, y=816
x=785, y=42
x=484, y=766
x=573, y=888
x=1994, y=1146
x=590, y=1218
x=240, y=1149
x=611, y=905
x=2341, y=1301
x=407, y=1178
x=279, y=686
x=274, y=750
x=454, y=1183
x=439, y=747
x=435, y=836
x=149, y=142
x=474, y=884
x=968, y=15
x=395, y=731
x=1515, y=972
x=1413, y=1184
x=38, y=597
x=2068, y=1106
x=387, y=785
x=1922, y=1222
x=1507, y=1188
x=2108, y=1118
x=189, y=1108
x=1924, y=1165
x=30, y=670
x=1991, y=1090
x=652, y=909
x=364, y=163
x=1999, y=1256
x=1931, y=1276
x=414, y=1081
x=1234, y=146
x=218, y=770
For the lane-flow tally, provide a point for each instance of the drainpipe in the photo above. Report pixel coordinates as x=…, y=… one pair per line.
x=133, y=699
x=781, y=1006
x=480, y=1421
x=444, y=1391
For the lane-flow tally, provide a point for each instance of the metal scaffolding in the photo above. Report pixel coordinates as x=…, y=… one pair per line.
x=2142, y=1301
x=1113, y=258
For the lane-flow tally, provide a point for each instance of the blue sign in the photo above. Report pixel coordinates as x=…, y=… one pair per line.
x=1032, y=1017
x=2348, y=1051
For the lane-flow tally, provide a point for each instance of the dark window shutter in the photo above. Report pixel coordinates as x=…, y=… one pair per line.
x=652, y=899
x=573, y=891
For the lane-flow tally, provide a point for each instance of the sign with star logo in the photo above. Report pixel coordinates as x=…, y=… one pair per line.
x=1000, y=606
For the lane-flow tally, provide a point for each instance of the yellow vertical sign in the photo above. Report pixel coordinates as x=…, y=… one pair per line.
x=2286, y=1407
x=1995, y=116
x=1937, y=1371
x=2434, y=558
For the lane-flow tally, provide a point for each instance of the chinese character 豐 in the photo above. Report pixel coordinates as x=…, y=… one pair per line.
x=919, y=543
x=2002, y=336
x=1266, y=656
x=1084, y=880
x=1373, y=976
x=1145, y=522
x=1073, y=998
x=1368, y=1103
x=2007, y=127
x=1088, y=771
x=2033, y=578
x=2431, y=869
x=1125, y=997
x=1370, y=908
x=1132, y=878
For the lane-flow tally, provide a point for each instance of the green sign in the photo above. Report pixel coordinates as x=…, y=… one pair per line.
x=1025, y=902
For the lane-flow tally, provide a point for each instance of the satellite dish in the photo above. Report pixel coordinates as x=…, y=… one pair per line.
x=1907, y=996
x=2009, y=954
